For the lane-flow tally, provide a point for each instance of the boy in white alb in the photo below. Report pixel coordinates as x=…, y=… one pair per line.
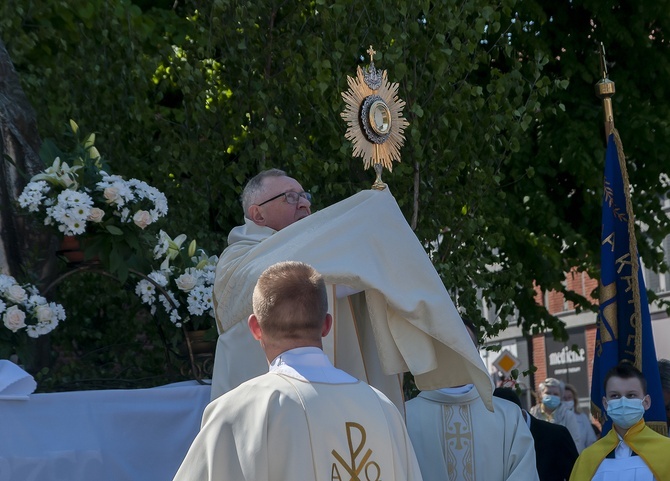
x=305, y=419
x=631, y=451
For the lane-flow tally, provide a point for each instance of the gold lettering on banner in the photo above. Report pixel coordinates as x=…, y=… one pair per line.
x=607, y=320
x=355, y=466
x=629, y=283
x=622, y=262
x=609, y=240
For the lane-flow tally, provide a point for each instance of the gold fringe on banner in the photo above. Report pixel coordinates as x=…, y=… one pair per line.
x=635, y=264
x=658, y=426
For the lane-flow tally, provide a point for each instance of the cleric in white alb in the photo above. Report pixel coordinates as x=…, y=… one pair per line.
x=304, y=420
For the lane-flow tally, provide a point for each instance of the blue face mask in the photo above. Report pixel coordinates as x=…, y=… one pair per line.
x=625, y=412
x=550, y=401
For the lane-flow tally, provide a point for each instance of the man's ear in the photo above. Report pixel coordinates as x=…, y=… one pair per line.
x=646, y=401
x=605, y=403
x=256, y=215
x=327, y=324
x=254, y=327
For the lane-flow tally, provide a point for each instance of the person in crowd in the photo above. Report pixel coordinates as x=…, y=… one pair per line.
x=391, y=310
x=456, y=438
x=664, y=371
x=555, y=451
x=552, y=410
x=630, y=451
x=304, y=419
x=586, y=433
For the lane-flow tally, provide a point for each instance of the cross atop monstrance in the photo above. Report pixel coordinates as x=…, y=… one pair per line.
x=374, y=118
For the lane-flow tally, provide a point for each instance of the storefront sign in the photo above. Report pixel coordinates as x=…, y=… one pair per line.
x=567, y=364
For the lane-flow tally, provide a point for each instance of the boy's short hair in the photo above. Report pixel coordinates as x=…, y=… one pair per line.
x=626, y=370
x=290, y=301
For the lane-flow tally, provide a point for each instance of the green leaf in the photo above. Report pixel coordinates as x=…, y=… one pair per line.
x=112, y=229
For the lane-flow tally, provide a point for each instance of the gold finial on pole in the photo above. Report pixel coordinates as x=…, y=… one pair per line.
x=605, y=91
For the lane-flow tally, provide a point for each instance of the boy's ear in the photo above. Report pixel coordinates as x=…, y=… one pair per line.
x=646, y=401
x=255, y=327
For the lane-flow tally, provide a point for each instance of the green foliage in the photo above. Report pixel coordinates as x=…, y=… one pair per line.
x=502, y=165
x=561, y=202
x=109, y=340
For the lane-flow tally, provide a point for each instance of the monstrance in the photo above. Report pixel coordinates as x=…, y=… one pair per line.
x=374, y=118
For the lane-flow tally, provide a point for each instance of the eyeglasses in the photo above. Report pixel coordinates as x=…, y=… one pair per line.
x=291, y=197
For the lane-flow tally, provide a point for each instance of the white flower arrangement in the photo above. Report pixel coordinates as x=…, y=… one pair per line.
x=78, y=196
x=22, y=308
x=65, y=200
x=186, y=277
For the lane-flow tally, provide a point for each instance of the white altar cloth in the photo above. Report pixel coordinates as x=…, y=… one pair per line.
x=109, y=435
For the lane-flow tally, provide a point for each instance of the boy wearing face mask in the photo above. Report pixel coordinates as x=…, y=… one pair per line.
x=631, y=451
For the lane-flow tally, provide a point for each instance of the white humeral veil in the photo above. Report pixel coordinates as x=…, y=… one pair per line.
x=401, y=319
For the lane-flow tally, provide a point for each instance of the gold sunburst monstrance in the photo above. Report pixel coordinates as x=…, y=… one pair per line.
x=374, y=118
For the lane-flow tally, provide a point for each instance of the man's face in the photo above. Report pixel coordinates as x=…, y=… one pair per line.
x=630, y=388
x=278, y=213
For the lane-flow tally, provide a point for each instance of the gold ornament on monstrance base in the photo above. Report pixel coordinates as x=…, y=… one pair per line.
x=373, y=114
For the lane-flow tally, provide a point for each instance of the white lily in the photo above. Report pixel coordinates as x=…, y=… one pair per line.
x=60, y=174
x=174, y=246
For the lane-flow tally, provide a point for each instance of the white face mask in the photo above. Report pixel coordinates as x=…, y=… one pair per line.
x=569, y=404
x=625, y=412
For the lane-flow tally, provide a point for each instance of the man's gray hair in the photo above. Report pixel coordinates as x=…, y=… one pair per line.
x=255, y=186
x=550, y=381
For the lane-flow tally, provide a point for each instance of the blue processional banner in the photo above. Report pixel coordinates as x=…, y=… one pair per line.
x=624, y=325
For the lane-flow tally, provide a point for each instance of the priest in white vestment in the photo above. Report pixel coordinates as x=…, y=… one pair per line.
x=392, y=312
x=305, y=419
x=456, y=437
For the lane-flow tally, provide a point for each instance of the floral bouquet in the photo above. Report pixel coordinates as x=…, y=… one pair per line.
x=23, y=310
x=79, y=197
x=181, y=288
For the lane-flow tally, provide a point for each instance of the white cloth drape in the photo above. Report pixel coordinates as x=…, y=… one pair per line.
x=403, y=319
